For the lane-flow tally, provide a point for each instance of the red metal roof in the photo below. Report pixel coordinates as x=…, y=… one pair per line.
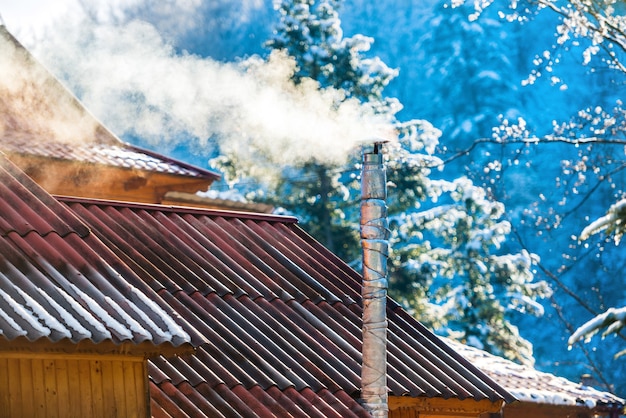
x=55, y=286
x=275, y=317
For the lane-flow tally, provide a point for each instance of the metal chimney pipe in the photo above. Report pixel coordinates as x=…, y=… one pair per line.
x=375, y=244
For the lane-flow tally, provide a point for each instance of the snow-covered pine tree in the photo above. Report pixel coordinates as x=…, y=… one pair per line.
x=310, y=32
x=589, y=51
x=471, y=72
x=447, y=265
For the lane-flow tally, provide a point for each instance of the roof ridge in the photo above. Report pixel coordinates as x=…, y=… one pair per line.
x=170, y=160
x=179, y=209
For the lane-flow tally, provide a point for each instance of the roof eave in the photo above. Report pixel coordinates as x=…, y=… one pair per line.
x=21, y=345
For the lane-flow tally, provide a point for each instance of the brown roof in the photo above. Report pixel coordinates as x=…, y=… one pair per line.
x=275, y=317
x=41, y=117
x=118, y=154
x=55, y=286
x=533, y=386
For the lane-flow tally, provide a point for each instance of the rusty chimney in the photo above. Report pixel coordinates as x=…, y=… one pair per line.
x=374, y=240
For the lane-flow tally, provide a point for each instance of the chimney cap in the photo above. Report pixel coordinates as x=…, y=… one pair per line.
x=377, y=145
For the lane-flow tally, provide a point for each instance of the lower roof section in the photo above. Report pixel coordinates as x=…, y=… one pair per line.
x=536, y=387
x=59, y=290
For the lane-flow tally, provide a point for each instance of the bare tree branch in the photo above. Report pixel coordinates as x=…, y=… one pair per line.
x=592, y=364
x=549, y=139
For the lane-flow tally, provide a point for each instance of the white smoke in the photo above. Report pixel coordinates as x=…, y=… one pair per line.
x=132, y=79
x=32, y=18
x=33, y=107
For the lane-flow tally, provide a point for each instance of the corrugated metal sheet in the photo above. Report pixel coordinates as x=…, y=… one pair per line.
x=534, y=386
x=280, y=314
x=118, y=154
x=54, y=284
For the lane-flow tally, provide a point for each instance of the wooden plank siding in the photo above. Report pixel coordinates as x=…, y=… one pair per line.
x=411, y=407
x=73, y=386
x=537, y=410
x=72, y=178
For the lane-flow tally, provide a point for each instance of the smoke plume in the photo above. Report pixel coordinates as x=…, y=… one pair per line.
x=139, y=85
x=33, y=106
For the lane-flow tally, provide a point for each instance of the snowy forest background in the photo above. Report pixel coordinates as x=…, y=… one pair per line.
x=509, y=142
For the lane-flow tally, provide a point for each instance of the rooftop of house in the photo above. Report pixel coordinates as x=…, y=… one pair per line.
x=40, y=117
x=113, y=154
x=534, y=386
x=275, y=317
x=57, y=292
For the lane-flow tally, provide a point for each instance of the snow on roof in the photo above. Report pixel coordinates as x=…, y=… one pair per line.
x=57, y=288
x=39, y=116
x=531, y=385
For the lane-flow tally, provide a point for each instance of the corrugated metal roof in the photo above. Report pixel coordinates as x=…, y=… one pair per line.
x=534, y=386
x=34, y=105
x=280, y=315
x=120, y=155
x=55, y=286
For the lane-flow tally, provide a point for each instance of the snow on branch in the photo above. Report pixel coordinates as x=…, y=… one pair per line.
x=613, y=320
x=612, y=222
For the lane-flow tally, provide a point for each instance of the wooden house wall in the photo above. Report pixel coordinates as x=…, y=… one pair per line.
x=70, y=178
x=408, y=407
x=518, y=410
x=533, y=410
x=71, y=386
x=408, y=412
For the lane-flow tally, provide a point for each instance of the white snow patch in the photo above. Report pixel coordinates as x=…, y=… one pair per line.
x=24, y=314
x=172, y=327
x=108, y=320
x=134, y=325
x=613, y=317
x=530, y=385
x=605, y=221
x=68, y=318
x=43, y=314
x=12, y=323
x=543, y=396
x=93, y=321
